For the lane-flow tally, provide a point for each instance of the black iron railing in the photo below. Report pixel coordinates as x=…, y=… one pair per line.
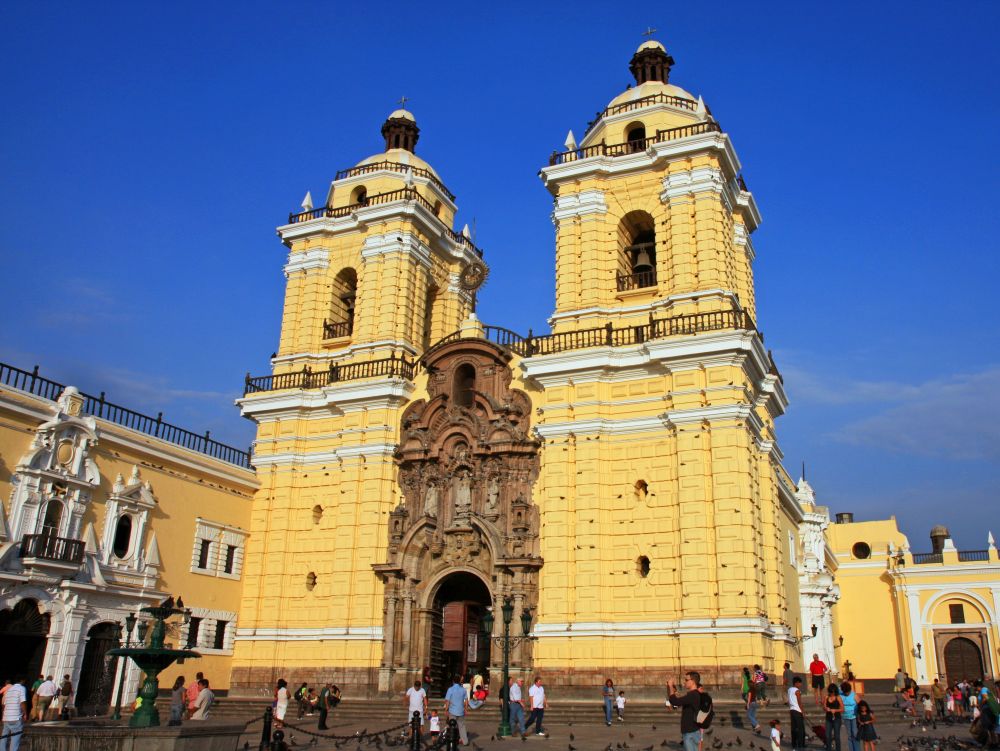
x=403, y=194
x=388, y=166
x=631, y=147
x=921, y=558
x=639, y=280
x=965, y=556
x=314, y=379
x=646, y=101
x=336, y=330
x=99, y=406
x=52, y=548
x=612, y=336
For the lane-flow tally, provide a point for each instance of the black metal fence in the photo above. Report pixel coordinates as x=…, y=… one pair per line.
x=99, y=406
x=314, y=379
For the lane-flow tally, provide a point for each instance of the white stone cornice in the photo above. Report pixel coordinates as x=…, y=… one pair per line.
x=751, y=213
x=411, y=210
x=681, y=186
x=347, y=354
x=662, y=304
x=330, y=633
x=314, y=258
x=599, y=426
x=658, y=356
x=657, y=155
x=711, y=414
x=771, y=395
x=403, y=243
x=579, y=204
x=336, y=398
x=359, y=451
x=625, y=629
x=741, y=239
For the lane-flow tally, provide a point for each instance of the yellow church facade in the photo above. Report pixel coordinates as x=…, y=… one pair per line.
x=618, y=479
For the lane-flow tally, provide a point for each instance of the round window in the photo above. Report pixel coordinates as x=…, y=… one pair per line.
x=123, y=536
x=861, y=550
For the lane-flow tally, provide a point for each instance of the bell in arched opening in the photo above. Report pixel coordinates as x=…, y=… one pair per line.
x=643, y=263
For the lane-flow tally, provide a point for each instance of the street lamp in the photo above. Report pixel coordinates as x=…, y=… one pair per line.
x=506, y=641
x=129, y=625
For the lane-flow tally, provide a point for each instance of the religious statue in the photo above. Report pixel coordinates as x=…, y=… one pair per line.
x=463, y=496
x=431, y=496
x=493, y=493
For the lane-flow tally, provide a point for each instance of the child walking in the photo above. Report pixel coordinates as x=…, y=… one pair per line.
x=775, y=735
x=620, y=704
x=435, y=724
x=866, y=726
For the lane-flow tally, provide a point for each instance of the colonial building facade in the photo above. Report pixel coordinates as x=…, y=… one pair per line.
x=618, y=479
x=108, y=511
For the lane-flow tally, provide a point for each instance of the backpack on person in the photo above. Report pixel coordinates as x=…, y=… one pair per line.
x=706, y=712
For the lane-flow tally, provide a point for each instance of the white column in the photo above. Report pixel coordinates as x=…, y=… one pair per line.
x=916, y=635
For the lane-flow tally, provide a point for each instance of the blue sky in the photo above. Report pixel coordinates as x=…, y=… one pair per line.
x=147, y=152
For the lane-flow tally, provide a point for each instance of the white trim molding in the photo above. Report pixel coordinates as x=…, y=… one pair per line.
x=349, y=633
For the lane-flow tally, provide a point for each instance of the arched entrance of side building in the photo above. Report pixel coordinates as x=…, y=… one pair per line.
x=97, y=674
x=24, y=633
x=961, y=654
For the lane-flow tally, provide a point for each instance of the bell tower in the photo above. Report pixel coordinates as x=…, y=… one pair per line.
x=377, y=270
x=374, y=276
x=652, y=218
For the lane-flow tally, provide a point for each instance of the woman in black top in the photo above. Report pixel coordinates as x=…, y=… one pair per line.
x=834, y=717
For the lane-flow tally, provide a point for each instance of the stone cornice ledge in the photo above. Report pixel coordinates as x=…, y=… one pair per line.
x=724, y=412
x=655, y=356
x=350, y=633
x=337, y=398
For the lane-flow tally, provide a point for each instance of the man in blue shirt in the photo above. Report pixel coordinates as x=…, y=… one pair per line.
x=456, y=701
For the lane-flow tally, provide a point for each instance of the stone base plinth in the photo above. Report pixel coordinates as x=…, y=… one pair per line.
x=106, y=735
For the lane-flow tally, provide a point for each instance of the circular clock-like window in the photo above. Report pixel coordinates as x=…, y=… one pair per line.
x=64, y=453
x=861, y=550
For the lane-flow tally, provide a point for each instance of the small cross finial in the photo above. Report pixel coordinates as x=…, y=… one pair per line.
x=649, y=32
x=402, y=101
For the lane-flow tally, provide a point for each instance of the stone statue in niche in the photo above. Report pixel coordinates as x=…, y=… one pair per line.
x=432, y=498
x=493, y=494
x=463, y=497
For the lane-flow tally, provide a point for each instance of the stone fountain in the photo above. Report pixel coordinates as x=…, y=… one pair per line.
x=152, y=660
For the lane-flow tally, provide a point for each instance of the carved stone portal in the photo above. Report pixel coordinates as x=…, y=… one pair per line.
x=467, y=465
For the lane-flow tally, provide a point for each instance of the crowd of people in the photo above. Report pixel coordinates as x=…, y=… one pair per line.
x=308, y=701
x=192, y=701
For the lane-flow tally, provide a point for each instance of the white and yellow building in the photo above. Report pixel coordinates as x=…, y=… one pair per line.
x=935, y=614
x=106, y=511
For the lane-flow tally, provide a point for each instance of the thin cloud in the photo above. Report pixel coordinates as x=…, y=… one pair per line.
x=957, y=418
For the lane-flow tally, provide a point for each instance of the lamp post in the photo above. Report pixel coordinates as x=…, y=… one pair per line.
x=129, y=625
x=506, y=641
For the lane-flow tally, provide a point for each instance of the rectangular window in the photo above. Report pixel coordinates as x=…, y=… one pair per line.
x=230, y=558
x=220, y=634
x=194, y=627
x=791, y=549
x=206, y=547
x=957, y=613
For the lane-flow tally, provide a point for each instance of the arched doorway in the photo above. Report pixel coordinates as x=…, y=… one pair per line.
x=97, y=674
x=23, y=636
x=962, y=659
x=456, y=646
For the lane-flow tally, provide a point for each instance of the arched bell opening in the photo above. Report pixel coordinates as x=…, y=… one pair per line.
x=637, y=251
x=342, y=300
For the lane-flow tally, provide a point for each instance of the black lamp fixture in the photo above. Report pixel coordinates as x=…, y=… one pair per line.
x=814, y=630
x=487, y=622
x=526, y=621
x=841, y=640
x=130, y=620
x=918, y=650
x=141, y=630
